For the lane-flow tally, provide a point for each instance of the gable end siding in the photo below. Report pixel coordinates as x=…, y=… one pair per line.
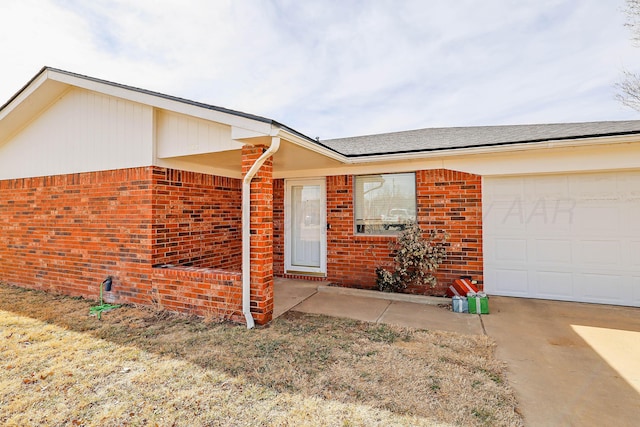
x=82, y=131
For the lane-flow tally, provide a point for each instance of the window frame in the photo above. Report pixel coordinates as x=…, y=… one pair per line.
x=378, y=226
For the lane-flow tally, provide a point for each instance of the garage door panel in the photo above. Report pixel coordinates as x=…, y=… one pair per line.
x=632, y=255
x=554, y=251
x=595, y=219
x=568, y=237
x=509, y=215
x=631, y=217
x=554, y=285
x=562, y=212
x=516, y=215
x=549, y=217
x=512, y=282
x=593, y=186
x=554, y=186
x=599, y=252
x=505, y=190
x=511, y=250
x=635, y=291
x=602, y=288
x=543, y=213
x=629, y=182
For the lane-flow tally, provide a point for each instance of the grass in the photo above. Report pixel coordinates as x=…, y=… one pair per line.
x=137, y=366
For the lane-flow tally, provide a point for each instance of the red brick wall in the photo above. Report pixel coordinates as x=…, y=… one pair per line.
x=196, y=220
x=452, y=201
x=201, y=291
x=446, y=200
x=67, y=233
x=351, y=258
x=278, y=227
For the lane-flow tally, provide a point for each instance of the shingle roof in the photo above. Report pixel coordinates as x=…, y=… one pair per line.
x=434, y=139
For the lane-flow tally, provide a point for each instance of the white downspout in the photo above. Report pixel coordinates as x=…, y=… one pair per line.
x=246, y=230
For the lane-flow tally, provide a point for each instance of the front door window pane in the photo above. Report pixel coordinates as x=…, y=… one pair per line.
x=306, y=226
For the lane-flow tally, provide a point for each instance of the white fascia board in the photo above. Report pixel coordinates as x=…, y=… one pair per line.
x=35, y=97
x=23, y=95
x=316, y=148
x=577, y=142
x=443, y=154
x=161, y=102
x=363, y=169
x=401, y=161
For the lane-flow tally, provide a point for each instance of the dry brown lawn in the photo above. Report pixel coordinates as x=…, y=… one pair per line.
x=137, y=366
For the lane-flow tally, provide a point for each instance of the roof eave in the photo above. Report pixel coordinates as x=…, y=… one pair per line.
x=496, y=148
x=310, y=144
x=23, y=93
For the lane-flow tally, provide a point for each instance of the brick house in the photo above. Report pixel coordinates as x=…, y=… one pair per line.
x=99, y=179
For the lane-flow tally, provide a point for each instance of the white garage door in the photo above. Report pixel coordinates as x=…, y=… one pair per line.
x=564, y=237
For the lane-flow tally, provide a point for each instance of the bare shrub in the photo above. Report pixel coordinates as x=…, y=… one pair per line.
x=415, y=260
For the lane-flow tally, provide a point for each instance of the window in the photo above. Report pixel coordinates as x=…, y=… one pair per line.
x=384, y=203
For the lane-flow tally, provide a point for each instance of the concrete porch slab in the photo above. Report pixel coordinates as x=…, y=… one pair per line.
x=349, y=306
x=418, y=299
x=287, y=293
x=412, y=311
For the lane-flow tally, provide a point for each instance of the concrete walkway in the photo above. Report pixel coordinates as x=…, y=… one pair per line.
x=372, y=306
x=570, y=364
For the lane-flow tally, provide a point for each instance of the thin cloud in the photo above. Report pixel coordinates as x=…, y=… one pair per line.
x=334, y=69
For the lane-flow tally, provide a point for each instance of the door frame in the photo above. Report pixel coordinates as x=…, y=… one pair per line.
x=288, y=267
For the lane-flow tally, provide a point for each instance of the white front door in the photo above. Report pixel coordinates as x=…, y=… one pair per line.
x=305, y=226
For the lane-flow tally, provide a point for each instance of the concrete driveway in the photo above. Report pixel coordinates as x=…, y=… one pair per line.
x=571, y=364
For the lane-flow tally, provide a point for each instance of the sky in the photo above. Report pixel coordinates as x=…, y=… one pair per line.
x=339, y=68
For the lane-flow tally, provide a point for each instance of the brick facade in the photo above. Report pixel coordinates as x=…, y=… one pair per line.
x=67, y=233
x=452, y=201
x=278, y=227
x=205, y=292
x=446, y=200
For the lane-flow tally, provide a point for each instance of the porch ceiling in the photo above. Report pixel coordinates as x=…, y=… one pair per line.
x=291, y=158
x=288, y=160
